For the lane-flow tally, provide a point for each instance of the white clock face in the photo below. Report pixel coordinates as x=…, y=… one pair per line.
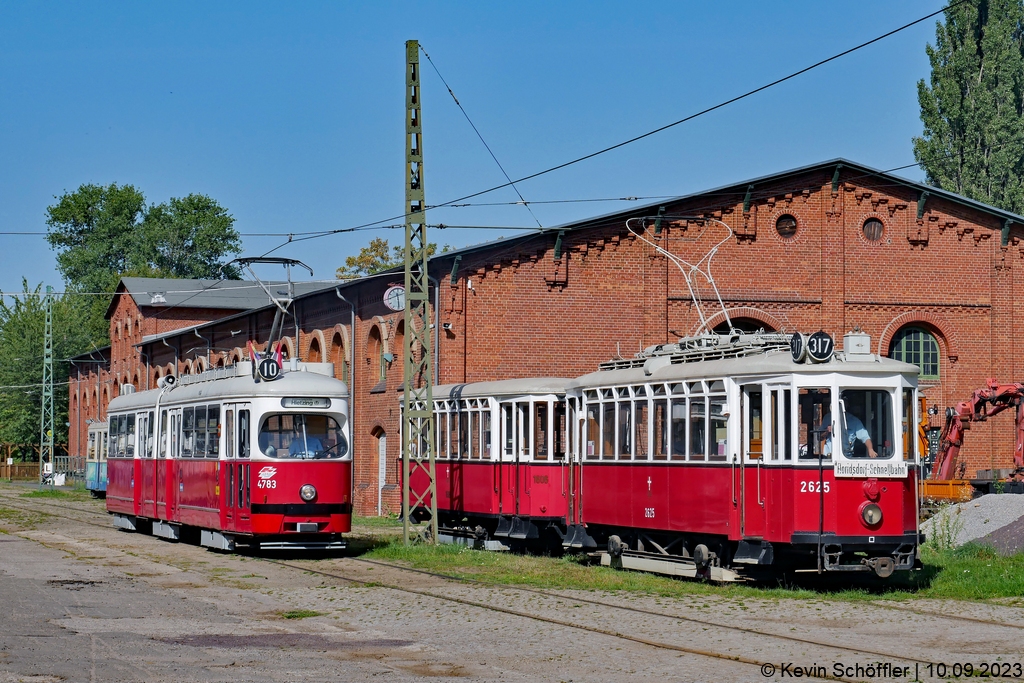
x=394, y=298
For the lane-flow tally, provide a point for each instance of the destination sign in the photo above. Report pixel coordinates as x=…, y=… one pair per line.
x=883, y=469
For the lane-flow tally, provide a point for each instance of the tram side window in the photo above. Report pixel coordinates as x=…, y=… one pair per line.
x=698, y=429
x=507, y=422
x=150, y=441
x=163, y=434
x=909, y=428
x=464, y=433
x=213, y=431
x=560, y=430
x=90, y=454
x=755, y=435
x=624, y=446
x=782, y=414
x=475, y=450
x=678, y=412
x=129, y=449
x=640, y=429
x=660, y=449
x=540, y=430
x=188, y=432
x=593, y=432
x=243, y=433
x=813, y=432
x=523, y=429
x=718, y=433
x=608, y=429
x=200, y=433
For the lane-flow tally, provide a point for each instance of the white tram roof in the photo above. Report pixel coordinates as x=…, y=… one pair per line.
x=772, y=363
x=236, y=383
x=505, y=387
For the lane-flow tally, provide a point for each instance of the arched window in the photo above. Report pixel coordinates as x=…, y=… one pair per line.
x=741, y=324
x=339, y=356
x=919, y=347
x=315, y=355
x=375, y=354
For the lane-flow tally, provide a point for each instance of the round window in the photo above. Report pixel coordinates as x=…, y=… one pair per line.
x=873, y=229
x=785, y=225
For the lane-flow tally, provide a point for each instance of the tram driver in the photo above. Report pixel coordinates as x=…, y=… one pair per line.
x=856, y=441
x=304, y=444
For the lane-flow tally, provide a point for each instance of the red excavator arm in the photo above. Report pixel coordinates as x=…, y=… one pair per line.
x=984, y=403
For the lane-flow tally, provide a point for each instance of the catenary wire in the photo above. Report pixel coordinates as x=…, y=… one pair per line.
x=478, y=134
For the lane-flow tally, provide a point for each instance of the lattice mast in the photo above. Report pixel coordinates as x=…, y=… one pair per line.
x=417, y=413
x=46, y=408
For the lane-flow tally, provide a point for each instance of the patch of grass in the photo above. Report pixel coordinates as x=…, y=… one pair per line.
x=301, y=614
x=385, y=522
x=972, y=572
x=24, y=520
x=60, y=494
x=967, y=573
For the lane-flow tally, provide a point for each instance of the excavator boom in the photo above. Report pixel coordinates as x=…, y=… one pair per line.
x=983, y=404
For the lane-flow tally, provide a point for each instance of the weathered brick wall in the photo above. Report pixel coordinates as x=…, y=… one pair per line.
x=609, y=293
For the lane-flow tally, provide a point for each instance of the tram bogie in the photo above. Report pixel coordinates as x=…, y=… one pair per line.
x=227, y=461
x=721, y=448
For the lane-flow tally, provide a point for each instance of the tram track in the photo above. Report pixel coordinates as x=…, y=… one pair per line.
x=459, y=579
x=46, y=509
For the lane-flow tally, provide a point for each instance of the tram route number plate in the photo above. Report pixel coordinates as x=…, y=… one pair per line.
x=268, y=370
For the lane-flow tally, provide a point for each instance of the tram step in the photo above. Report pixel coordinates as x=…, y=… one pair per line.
x=754, y=551
x=172, y=532
x=216, y=540
x=125, y=522
x=577, y=537
x=504, y=526
x=523, y=528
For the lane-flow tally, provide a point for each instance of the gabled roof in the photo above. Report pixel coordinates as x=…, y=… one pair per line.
x=234, y=295
x=740, y=187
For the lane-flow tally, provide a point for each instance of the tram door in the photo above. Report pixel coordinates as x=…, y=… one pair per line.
x=163, y=462
x=235, y=485
x=172, y=468
x=752, y=483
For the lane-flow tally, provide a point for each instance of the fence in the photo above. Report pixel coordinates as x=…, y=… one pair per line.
x=26, y=461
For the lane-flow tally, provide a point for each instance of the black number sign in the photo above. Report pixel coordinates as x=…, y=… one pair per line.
x=797, y=347
x=269, y=370
x=820, y=347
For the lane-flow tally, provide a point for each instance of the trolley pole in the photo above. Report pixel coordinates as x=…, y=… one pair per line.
x=46, y=408
x=417, y=406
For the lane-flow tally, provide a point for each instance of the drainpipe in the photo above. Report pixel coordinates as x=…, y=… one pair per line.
x=175, y=348
x=196, y=332
x=437, y=328
x=351, y=388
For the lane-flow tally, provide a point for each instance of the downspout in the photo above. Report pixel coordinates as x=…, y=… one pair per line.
x=196, y=332
x=175, y=348
x=351, y=387
x=437, y=328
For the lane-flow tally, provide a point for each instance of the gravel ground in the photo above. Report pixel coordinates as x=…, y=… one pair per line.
x=975, y=519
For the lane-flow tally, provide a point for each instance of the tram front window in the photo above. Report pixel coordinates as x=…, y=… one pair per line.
x=302, y=437
x=867, y=425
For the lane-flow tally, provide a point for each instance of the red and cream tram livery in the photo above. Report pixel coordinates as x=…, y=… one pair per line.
x=233, y=460
x=501, y=452
x=720, y=450
x=725, y=449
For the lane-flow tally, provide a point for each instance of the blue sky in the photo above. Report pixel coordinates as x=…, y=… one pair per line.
x=291, y=115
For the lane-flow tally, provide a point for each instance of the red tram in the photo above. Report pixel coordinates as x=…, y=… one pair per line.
x=715, y=455
x=261, y=464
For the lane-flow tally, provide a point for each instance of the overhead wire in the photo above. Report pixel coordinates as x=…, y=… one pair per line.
x=673, y=124
x=475, y=130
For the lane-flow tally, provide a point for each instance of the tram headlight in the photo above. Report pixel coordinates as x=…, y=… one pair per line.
x=308, y=493
x=871, y=514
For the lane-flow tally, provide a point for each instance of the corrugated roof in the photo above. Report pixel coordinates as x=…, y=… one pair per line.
x=236, y=295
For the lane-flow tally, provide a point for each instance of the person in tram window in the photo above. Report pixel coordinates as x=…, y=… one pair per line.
x=304, y=445
x=855, y=440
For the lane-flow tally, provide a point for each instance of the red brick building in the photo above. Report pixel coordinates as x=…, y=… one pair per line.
x=929, y=275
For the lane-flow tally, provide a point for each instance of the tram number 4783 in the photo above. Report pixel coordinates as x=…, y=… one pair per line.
x=814, y=487
x=266, y=484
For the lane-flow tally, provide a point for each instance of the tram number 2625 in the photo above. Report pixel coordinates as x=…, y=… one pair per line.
x=814, y=487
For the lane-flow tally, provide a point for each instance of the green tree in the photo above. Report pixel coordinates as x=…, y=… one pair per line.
x=103, y=233
x=973, y=107
x=22, y=326
x=377, y=257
